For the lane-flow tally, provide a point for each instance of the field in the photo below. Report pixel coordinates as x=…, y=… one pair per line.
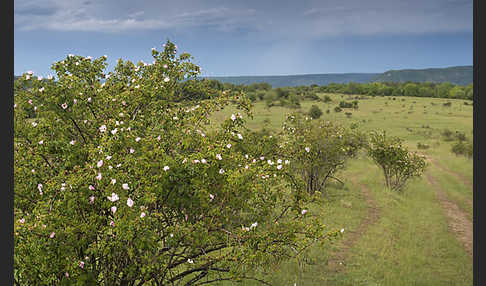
x=422, y=236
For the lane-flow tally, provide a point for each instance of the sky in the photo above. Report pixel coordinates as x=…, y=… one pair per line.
x=252, y=37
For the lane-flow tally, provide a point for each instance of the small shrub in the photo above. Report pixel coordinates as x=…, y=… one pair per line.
x=294, y=101
x=448, y=135
x=345, y=104
x=460, y=136
x=447, y=104
x=463, y=148
x=422, y=146
x=328, y=111
x=252, y=97
x=261, y=95
x=337, y=109
x=348, y=114
x=311, y=96
x=315, y=112
x=397, y=163
x=326, y=98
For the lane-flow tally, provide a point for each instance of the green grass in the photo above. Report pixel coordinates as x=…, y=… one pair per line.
x=410, y=244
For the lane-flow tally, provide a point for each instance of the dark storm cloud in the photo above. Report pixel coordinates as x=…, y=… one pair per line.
x=36, y=9
x=279, y=19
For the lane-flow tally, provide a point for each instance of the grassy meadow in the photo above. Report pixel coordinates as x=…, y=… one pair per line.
x=401, y=238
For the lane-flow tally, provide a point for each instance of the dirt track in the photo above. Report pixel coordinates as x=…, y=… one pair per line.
x=338, y=261
x=458, y=222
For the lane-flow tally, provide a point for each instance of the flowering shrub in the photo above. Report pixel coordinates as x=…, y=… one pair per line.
x=317, y=150
x=117, y=181
x=398, y=164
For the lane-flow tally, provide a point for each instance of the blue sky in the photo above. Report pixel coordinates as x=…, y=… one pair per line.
x=228, y=38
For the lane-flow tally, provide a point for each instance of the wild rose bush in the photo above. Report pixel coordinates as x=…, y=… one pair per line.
x=117, y=181
x=318, y=150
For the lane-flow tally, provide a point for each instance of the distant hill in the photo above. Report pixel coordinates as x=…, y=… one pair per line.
x=462, y=75
x=296, y=80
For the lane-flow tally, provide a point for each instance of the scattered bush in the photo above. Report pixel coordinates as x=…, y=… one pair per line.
x=447, y=134
x=317, y=150
x=422, y=146
x=460, y=136
x=261, y=95
x=326, y=98
x=269, y=98
x=315, y=112
x=293, y=102
x=397, y=163
x=345, y=104
x=252, y=96
x=464, y=148
x=337, y=109
x=311, y=96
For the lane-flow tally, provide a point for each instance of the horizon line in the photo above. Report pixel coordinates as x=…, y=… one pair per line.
x=342, y=73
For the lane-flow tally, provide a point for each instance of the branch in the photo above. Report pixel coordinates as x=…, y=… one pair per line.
x=233, y=278
x=283, y=212
x=43, y=157
x=336, y=179
x=79, y=130
x=205, y=268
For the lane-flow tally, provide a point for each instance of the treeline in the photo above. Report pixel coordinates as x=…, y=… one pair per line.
x=258, y=91
x=426, y=89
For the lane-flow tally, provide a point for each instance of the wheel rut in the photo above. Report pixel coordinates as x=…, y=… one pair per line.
x=337, y=262
x=458, y=176
x=457, y=220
